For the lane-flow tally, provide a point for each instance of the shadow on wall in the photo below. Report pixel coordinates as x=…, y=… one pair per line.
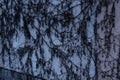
x=6, y=74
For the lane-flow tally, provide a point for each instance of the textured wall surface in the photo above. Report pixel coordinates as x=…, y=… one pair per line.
x=61, y=39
